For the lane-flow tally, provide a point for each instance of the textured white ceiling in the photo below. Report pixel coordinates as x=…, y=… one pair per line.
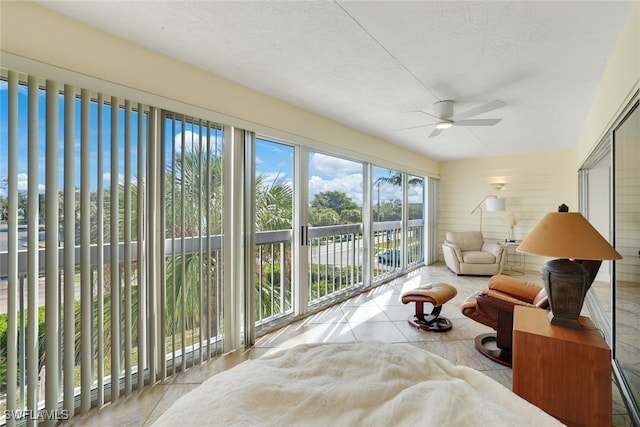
x=371, y=65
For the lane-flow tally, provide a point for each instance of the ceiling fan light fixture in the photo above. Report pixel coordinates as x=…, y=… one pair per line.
x=444, y=125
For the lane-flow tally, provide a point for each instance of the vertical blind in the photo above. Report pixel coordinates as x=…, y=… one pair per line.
x=113, y=252
x=87, y=252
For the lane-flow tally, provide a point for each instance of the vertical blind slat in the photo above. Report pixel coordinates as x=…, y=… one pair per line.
x=69, y=249
x=86, y=309
x=152, y=249
x=12, y=247
x=52, y=340
x=142, y=283
x=172, y=311
x=100, y=253
x=207, y=277
x=33, y=270
x=200, y=245
x=127, y=248
x=114, y=264
x=156, y=209
x=183, y=269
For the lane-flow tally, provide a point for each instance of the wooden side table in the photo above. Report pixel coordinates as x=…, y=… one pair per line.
x=565, y=372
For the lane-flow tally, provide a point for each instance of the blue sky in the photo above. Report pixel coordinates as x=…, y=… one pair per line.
x=23, y=142
x=326, y=173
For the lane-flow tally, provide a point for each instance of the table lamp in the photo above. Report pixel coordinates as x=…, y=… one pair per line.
x=567, y=236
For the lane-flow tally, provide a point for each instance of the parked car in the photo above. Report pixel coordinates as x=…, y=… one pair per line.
x=389, y=257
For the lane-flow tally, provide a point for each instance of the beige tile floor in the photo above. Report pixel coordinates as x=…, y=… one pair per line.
x=375, y=315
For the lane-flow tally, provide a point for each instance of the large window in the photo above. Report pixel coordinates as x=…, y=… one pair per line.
x=274, y=223
x=335, y=193
x=609, y=188
x=388, y=220
x=124, y=231
x=626, y=301
x=88, y=286
x=193, y=200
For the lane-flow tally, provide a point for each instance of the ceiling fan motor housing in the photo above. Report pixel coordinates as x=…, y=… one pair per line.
x=443, y=109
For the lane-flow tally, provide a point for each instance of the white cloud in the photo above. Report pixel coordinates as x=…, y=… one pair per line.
x=23, y=182
x=192, y=139
x=415, y=194
x=106, y=178
x=333, y=165
x=23, y=185
x=351, y=185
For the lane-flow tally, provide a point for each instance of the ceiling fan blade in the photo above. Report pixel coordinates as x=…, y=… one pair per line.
x=435, y=132
x=428, y=114
x=416, y=127
x=477, y=122
x=493, y=105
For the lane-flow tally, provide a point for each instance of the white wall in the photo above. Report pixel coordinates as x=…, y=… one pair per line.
x=30, y=31
x=620, y=81
x=536, y=184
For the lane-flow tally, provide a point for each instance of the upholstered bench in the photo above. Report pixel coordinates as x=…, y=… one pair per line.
x=435, y=294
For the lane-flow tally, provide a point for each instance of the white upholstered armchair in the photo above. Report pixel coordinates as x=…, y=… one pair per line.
x=466, y=253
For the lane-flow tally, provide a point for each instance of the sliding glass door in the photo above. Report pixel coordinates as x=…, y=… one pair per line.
x=335, y=234
x=274, y=210
x=626, y=144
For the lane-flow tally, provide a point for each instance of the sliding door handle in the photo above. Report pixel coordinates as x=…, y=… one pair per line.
x=304, y=230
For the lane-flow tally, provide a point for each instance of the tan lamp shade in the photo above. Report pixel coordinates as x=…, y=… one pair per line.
x=567, y=235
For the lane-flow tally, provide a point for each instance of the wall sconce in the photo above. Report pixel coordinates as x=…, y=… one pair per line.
x=498, y=185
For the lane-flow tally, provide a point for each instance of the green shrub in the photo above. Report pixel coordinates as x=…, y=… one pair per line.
x=4, y=326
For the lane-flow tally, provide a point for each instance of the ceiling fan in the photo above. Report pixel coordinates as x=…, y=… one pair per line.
x=444, y=114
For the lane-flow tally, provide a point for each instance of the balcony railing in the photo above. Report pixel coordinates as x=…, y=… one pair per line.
x=335, y=262
x=335, y=269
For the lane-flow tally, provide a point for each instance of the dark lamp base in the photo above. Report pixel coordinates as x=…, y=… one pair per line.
x=563, y=321
x=566, y=283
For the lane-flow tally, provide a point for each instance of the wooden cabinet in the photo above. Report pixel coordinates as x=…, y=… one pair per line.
x=564, y=371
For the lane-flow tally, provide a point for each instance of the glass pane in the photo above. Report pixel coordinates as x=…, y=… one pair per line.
x=387, y=217
x=627, y=242
x=193, y=226
x=415, y=231
x=335, y=225
x=274, y=211
x=416, y=197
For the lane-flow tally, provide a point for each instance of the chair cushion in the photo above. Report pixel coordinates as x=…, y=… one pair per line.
x=520, y=289
x=478, y=257
x=466, y=240
x=434, y=293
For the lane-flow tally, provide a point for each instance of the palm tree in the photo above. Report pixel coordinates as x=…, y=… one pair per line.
x=274, y=211
x=193, y=206
x=274, y=201
x=395, y=179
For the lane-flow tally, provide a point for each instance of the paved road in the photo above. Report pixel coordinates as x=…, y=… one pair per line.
x=22, y=235
x=4, y=294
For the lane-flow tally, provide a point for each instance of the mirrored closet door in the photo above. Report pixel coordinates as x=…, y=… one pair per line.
x=626, y=289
